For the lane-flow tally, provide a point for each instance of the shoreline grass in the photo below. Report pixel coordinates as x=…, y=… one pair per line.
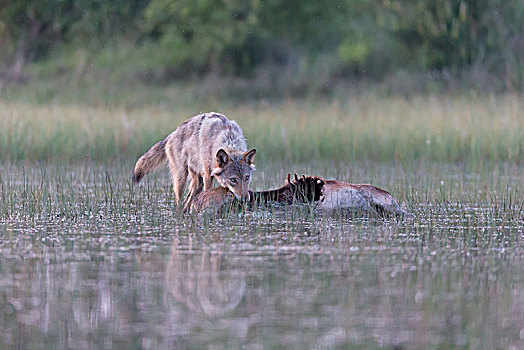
x=473, y=130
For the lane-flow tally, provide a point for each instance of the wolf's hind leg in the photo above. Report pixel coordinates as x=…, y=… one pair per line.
x=178, y=170
x=195, y=186
x=179, y=178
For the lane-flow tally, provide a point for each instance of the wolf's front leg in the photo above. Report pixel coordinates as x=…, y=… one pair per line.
x=208, y=181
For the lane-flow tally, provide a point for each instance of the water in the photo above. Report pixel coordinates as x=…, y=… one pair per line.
x=88, y=262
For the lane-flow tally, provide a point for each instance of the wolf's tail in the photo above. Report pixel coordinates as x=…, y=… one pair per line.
x=151, y=160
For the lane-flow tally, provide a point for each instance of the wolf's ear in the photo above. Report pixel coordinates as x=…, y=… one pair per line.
x=222, y=158
x=249, y=155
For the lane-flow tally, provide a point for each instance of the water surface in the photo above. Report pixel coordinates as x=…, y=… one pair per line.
x=87, y=261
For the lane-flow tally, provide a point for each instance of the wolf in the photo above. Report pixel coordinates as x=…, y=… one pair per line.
x=204, y=147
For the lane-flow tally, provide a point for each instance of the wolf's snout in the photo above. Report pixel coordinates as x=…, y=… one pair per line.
x=243, y=196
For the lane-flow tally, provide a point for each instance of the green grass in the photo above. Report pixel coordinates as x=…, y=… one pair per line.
x=473, y=130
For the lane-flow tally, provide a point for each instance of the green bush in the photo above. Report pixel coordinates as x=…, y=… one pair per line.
x=458, y=34
x=236, y=37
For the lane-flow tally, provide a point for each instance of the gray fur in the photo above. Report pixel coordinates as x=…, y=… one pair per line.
x=192, y=149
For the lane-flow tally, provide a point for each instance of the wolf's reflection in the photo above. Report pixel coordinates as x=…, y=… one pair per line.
x=204, y=281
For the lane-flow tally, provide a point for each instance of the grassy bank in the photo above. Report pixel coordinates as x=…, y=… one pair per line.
x=363, y=127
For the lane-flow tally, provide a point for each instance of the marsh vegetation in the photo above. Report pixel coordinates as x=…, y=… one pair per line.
x=465, y=129
x=88, y=260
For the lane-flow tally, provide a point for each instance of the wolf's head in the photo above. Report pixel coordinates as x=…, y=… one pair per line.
x=233, y=171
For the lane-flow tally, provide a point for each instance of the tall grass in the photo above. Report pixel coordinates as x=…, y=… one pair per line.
x=364, y=127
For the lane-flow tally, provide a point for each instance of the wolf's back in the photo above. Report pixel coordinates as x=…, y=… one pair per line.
x=151, y=160
x=216, y=132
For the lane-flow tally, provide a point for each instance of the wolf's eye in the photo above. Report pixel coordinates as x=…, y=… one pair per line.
x=233, y=180
x=246, y=178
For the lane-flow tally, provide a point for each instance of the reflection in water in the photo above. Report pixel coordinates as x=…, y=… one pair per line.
x=51, y=300
x=378, y=288
x=204, y=282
